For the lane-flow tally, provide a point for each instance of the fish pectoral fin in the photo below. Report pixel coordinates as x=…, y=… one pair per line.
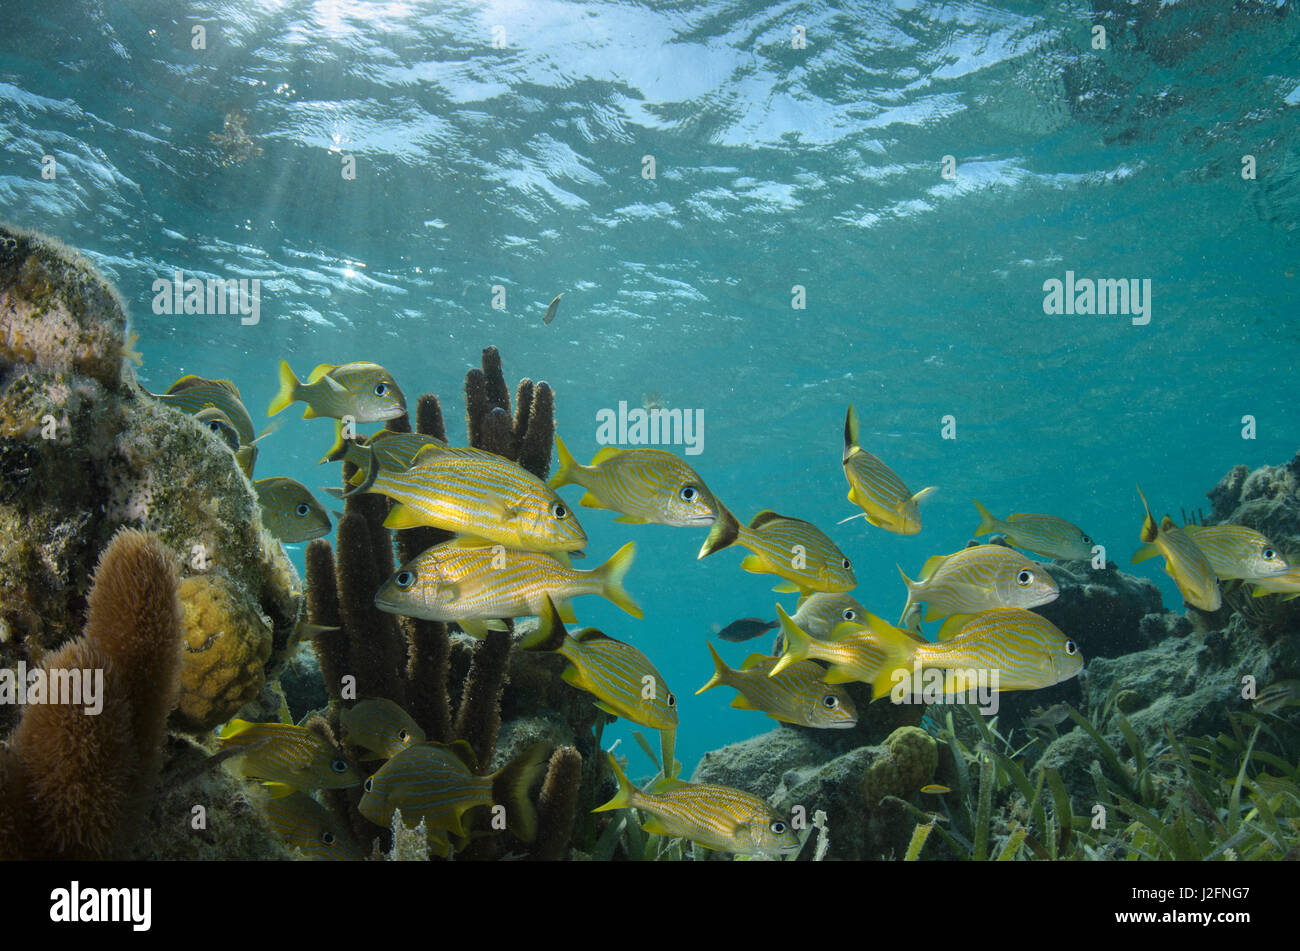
x=278, y=790
x=402, y=515
x=839, y=675
x=655, y=826
x=741, y=702
x=571, y=677
x=469, y=541
x=631, y=520
x=474, y=627
x=602, y=705
x=753, y=564
x=589, y=500
x=565, y=611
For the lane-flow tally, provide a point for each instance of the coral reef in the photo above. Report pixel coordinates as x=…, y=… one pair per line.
x=86, y=779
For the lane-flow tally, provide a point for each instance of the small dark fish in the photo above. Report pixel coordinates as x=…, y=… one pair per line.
x=550, y=311
x=746, y=629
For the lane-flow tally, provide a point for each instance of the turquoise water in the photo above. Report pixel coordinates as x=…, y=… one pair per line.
x=822, y=167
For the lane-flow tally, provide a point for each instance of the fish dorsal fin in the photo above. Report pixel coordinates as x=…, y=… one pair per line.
x=765, y=516
x=1021, y=516
x=184, y=383
x=931, y=566
x=319, y=372
x=754, y=660
x=850, y=433
x=465, y=753
x=234, y=728
x=609, y=452
x=227, y=385
x=426, y=454
x=590, y=635
x=1166, y=524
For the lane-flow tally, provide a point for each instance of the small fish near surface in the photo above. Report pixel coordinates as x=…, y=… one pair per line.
x=643, y=485
x=1026, y=650
x=1184, y=560
x=472, y=586
x=437, y=784
x=365, y=391
x=305, y=824
x=621, y=678
x=975, y=579
x=289, y=511
x=193, y=394
x=746, y=629
x=717, y=817
x=487, y=500
x=1044, y=535
x=282, y=753
x=788, y=547
x=552, y=309
x=798, y=694
x=1233, y=551
x=380, y=727
x=885, y=500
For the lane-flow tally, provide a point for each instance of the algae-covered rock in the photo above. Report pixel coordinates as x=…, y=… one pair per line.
x=1100, y=609
x=84, y=451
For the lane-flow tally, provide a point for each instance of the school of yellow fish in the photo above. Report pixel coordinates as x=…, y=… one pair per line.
x=511, y=558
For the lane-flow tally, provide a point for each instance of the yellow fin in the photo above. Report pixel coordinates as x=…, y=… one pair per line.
x=987, y=522
x=589, y=500
x=286, y=394
x=402, y=515
x=1149, y=550
x=753, y=564
x=741, y=702
x=319, y=372
x=609, y=452
x=565, y=611
x=277, y=790
x=952, y=626
x=785, y=587
x=474, y=627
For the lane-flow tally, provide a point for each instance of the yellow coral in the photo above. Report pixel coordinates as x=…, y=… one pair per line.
x=226, y=650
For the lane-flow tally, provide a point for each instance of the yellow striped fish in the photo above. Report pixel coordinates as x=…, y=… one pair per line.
x=1184, y=561
x=1233, y=551
x=307, y=825
x=976, y=579
x=620, y=677
x=644, y=485
x=818, y=613
x=1027, y=651
x=437, y=784
x=1045, y=535
x=851, y=648
x=365, y=391
x=219, y=424
x=1286, y=584
x=796, y=695
x=289, y=511
x=788, y=547
x=287, y=754
x=396, y=451
x=488, y=499
x=380, y=727
x=192, y=394
x=874, y=487
x=717, y=817
x=449, y=582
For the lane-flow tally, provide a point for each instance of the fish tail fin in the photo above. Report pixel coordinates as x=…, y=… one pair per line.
x=911, y=592
x=850, y=431
x=1148, y=550
x=988, y=523
x=288, y=390
x=720, y=671
x=510, y=787
x=611, y=575
x=550, y=633
x=339, y=450
x=723, y=534
x=626, y=795
x=899, y=649
x=370, y=467
x=1149, y=528
x=796, y=642
x=570, y=470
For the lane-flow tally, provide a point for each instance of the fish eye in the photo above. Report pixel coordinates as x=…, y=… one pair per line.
x=558, y=510
x=302, y=509
x=830, y=701
x=339, y=766
x=1025, y=577
x=404, y=579
x=381, y=389
x=1269, y=554
x=1071, y=648
x=850, y=614
x=370, y=784
x=688, y=493
x=403, y=735
x=847, y=565
x=214, y=426
x=671, y=701
x=1087, y=540
x=778, y=827
x=327, y=837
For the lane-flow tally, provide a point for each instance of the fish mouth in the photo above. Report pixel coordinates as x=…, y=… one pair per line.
x=843, y=725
